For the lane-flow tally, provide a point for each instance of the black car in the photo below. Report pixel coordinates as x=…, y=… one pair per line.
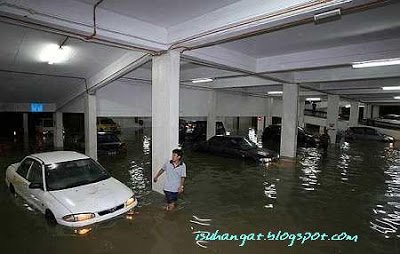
x=386, y=121
x=366, y=133
x=237, y=147
x=107, y=144
x=110, y=144
x=272, y=135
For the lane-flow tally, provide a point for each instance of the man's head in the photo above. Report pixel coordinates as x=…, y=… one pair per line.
x=177, y=155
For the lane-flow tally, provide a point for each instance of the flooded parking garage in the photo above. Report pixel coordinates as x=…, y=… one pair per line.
x=353, y=188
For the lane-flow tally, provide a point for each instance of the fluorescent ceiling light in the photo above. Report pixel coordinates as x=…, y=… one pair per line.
x=391, y=88
x=275, y=92
x=202, y=80
x=54, y=54
x=327, y=16
x=397, y=97
x=376, y=63
x=313, y=99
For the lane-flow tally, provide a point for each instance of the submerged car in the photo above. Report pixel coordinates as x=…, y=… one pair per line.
x=272, y=134
x=69, y=188
x=366, y=133
x=388, y=121
x=237, y=147
x=110, y=144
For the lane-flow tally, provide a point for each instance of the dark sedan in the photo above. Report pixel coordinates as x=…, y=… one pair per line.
x=237, y=147
x=366, y=133
x=110, y=144
x=272, y=135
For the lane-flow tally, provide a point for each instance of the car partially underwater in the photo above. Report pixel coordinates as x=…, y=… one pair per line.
x=69, y=188
x=237, y=147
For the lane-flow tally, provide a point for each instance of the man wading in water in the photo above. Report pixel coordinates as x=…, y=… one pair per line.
x=176, y=172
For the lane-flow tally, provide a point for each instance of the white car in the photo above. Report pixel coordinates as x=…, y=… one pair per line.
x=69, y=188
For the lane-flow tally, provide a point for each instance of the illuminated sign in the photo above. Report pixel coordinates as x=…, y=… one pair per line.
x=36, y=107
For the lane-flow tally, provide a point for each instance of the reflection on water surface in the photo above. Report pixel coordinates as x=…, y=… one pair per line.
x=354, y=188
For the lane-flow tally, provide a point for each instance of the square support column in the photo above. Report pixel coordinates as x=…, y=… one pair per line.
x=164, y=111
x=332, y=116
x=25, y=124
x=211, y=117
x=268, y=115
x=368, y=111
x=58, y=130
x=289, y=120
x=375, y=111
x=90, y=126
x=260, y=126
x=354, y=113
x=302, y=106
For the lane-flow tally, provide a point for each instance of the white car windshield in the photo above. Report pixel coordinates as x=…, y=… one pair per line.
x=70, y=174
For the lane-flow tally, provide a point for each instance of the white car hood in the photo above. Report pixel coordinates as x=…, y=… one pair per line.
x=94, y=197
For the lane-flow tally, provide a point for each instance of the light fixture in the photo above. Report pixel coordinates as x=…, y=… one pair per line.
x=347, y=106
x=389, y=88
x=275, y=92
x=313, y=99
x=202, y=80
x=327, y=16
x=397, y=97
x=376, y=63
x=54, y=54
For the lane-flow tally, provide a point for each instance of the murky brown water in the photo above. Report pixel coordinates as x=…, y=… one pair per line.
x=354, y=188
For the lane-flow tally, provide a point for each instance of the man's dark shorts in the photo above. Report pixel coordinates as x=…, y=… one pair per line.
x=171, y=197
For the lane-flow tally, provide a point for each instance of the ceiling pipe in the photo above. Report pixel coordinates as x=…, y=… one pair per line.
x=94, y=21
x=24, y=22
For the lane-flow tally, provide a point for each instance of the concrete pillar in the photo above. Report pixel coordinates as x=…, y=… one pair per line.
x=368, y=111
x=26, y=130
x=354, y=113
x=164, y=111
x=58, y=130
x=362, y=113
x=375, y=111
x=90, y=126
x=321, y=129
x=211, y=117
x=289, y=120
x=268, y=115
x=260, y=126
x=332, y=116
x=302, y=104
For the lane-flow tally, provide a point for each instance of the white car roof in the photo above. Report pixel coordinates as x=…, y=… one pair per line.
x=59, y=156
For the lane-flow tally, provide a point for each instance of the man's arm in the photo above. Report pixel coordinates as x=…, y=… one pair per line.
x=158, y=174
x=180, y=189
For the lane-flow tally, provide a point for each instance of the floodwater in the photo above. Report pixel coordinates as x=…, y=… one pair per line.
x=354, y=188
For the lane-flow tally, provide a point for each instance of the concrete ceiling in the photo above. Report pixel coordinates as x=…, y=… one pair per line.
x=376, y=24
x=25, y=78
x=164, y=13
x=317, y=57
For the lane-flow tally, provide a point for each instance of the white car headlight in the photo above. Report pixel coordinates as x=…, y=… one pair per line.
x=130, y=201
x=78, y=217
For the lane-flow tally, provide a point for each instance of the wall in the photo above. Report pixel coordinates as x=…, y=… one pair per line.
x=122, y=99
x=193, y=102
x=236, y=104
